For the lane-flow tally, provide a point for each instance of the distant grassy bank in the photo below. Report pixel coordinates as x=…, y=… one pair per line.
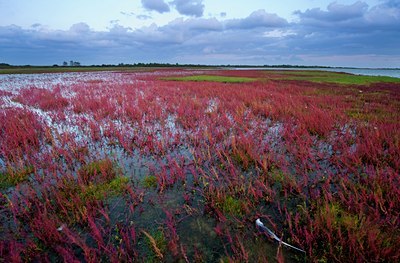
x=289, y=75
x=328, y=76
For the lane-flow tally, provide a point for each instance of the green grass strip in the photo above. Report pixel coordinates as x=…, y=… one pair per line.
x=331, y=77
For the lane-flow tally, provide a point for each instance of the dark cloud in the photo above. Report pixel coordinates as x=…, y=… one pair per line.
x=258, y=18
x=156, y=5
x=189, y=7
x=354, y=30
x=391, y=3
x=386, y=14
x=355, y=17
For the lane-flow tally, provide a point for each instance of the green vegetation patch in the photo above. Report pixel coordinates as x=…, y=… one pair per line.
x=97, y=181
x=98, y=171
x=372, y=106
x=232, y=206
x=108, y=189
x=101, y=179
x=13, y=177
x=212, y=78
x=150, y=181
x=377, y=114
x=330, y=77
x=99, y=186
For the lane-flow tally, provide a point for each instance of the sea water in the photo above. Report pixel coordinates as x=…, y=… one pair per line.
x=357, y=71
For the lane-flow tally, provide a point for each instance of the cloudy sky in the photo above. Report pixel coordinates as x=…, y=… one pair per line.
x=256, y=32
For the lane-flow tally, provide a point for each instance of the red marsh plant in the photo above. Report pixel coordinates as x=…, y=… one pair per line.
x=319, y=162
x=50, y=213
x=21, y=133
x=47, y=100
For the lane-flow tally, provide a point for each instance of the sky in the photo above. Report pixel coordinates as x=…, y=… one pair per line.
x=253, y=32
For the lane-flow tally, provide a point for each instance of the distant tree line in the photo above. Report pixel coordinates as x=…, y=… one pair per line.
x=158, y=65
x=5, y=65
x=202, y=65
x=161, y=65
x=71, y=64
x=169, y=65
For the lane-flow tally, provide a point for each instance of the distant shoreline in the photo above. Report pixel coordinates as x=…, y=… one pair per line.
x=9, y=69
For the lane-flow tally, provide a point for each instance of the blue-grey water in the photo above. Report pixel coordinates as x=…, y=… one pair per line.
x=369, y=72
x=357, y=71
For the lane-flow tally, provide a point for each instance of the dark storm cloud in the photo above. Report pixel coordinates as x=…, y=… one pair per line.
x=363, y=35
x=386, y=14
x=156, y=5
x=355, y=16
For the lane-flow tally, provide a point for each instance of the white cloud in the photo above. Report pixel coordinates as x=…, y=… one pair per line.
x=80, y=28
x=279, y=33
x=258, y=18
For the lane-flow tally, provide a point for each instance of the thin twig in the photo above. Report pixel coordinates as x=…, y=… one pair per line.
x=272, y=235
